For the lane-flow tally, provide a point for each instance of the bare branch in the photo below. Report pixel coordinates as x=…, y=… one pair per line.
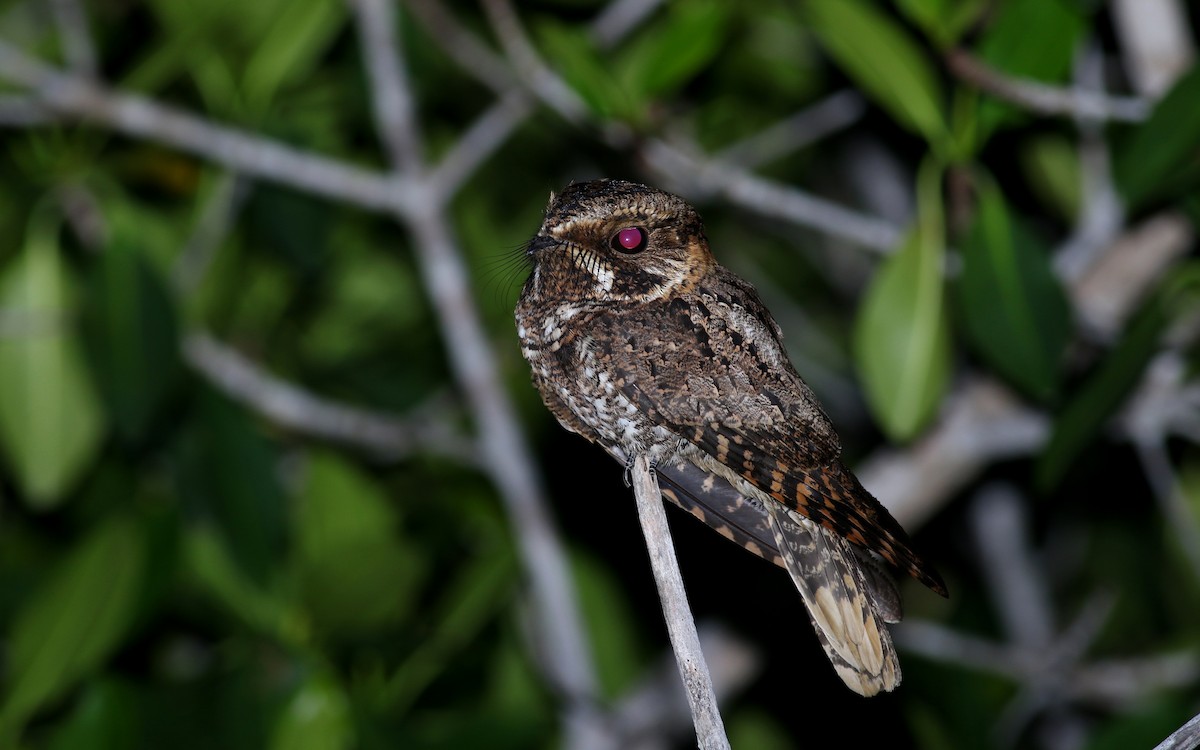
x=236, y=149
x=835, y=112
x=295, y=409
x=78, y=50
x=697, y=683
x=212, y=226
x=1102, y=214
x=465, y=48
x=18, y=110
x=655, y=711
x=1043, y=99
x=544, y=82
x=998, y=523
x=619, y=18
x=481, y=140
x=1187, y=737
x=505, y=451
x=391, y=94
x=697, y=176
x=1155, y=38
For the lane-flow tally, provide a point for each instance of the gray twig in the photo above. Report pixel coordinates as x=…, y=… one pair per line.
x=835, y=112
x=1044, y=99
x=529, y=66
x=998, y=523
x=236, y=149
x=505, y=451
x=490, y=131
x=78, y=50
x=1187, y=737
x=391, y=97
x=19, y=110
x=294, y=408
x=696, y=175
x=212, y=225
x=619, y=18
x=697, y=683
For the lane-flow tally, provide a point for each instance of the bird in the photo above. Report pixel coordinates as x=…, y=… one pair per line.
x=640, y=341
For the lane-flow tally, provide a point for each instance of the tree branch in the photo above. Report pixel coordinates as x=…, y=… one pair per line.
x=236, y=149
x=710, y=730
x=294, y=408
x=1043, y=99
x=391, y=97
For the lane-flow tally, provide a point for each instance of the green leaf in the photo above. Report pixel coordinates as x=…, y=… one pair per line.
x=944, y=21
x=1085, y=414
x=470, y=600
x=292, y=43
x=105, y=719
x=619, y=656
x=884, y=60
x=131, y=338
x=1093, y=403
x=228, y=474
x=1028, y=39
x=1165, y=147
x=902, y=338
x=213, y=569
x=50, y=421
x=318, y=717
x=356, y=570
x=1014, y=310
x=1052, y=171
x=571, y=52
x=74, y=621
x=669, y=54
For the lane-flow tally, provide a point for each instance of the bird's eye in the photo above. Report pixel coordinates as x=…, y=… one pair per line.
x=629, y=240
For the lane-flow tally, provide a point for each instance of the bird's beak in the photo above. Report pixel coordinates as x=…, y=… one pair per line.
x=538, y=244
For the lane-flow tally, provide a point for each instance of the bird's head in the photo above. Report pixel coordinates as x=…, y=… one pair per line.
x=616, y=242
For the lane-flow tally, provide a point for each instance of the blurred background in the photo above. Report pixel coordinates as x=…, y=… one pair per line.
x=273, y=474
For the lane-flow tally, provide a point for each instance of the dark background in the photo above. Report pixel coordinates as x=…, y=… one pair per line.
x=243, y=501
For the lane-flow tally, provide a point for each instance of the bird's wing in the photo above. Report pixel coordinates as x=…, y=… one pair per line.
x=837, y=596
x=711, y=369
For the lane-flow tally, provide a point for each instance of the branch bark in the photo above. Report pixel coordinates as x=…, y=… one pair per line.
x=697, y=683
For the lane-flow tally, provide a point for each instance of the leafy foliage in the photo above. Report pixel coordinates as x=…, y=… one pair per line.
x=179, y=568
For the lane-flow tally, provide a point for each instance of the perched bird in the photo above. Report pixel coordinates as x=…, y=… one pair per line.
x=639, y=341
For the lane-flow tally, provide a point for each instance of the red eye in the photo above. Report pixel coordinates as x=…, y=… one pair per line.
x=630, y=240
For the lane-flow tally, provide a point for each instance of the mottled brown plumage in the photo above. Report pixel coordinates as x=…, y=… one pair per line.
x=641, y=342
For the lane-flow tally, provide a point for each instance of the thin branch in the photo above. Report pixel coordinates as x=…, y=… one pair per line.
x=1187, y=737
x=999, y=527
x=480, y=141
x=696, y=175
x=505, y=450
x=619, y=18
x=1043, y=99
x=529, y=66
x=654, y=713
x=391, y=93
x=673, y=165
x=294, y=408
x=1181, y=522
x=21, y=111
x=1156, y=42
x=236, y=149
x=834, y=113
x=710, y=730
x=465, y=48
x=1102, y=214
x=78, y=50
x=216, y=217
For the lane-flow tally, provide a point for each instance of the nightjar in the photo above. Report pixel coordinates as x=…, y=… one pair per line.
x=639, y=341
